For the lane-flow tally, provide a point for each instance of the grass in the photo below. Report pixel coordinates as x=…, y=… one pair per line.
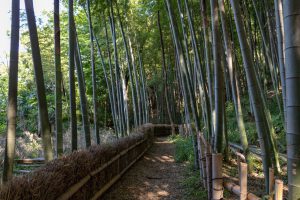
x=191, y=182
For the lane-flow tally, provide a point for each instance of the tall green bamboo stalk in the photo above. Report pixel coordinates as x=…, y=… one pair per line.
x=94, y=78
x=255, y=97
x=73, y=120
x=219, y=77
x=82, y=92
x=9, y=154
x=40, y=83
x=291, y=11
x=58, y=81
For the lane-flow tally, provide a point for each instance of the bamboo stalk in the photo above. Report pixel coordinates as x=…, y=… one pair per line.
x=217, y=176
x=208, y=170
x=243, y=180
x=240, y=157
x=278, y=189
x=232, y=187
x=201, y=157
x=271, y=183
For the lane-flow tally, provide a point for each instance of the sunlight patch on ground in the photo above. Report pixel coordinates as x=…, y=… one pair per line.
x=147, y=158
x=165, y=159
x=147, y=183
x=163, y=193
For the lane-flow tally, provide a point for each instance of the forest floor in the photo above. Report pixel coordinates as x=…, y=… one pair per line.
x=155, y=176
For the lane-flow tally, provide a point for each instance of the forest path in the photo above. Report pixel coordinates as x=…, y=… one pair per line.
x=155, y=176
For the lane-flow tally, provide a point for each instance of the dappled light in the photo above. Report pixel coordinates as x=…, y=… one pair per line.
x=150, y=99
x=156, y=176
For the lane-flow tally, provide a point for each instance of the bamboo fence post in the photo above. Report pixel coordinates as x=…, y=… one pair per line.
x=208, y=170
x=217, y=177
x=232, y=187
x=278, y=189
x=271, y=183
x=238, y=160
x=203, y=160
x=199, y=157
x=243, y=180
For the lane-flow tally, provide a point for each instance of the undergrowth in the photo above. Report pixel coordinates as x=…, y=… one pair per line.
x=191, y=182
x=250, y=126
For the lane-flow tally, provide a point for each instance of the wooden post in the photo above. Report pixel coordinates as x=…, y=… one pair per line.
x=243, y=180
x=271, y=183
x=278, y=189
x=217, y=177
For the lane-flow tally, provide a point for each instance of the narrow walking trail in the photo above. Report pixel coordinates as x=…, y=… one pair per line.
x=155, y=176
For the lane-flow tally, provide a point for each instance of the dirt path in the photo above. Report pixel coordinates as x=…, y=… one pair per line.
x=155, y=176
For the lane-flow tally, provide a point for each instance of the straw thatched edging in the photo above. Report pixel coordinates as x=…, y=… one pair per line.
x=108, y=185
x=81, y=174
x=72, y=190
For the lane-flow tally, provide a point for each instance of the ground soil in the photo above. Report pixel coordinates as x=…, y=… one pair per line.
x=155, y=176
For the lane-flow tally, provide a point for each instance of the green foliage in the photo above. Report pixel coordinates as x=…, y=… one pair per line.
x=191, y=182
x=183, y=149
x=3, y=93
x=192, y=186
x=233, y=131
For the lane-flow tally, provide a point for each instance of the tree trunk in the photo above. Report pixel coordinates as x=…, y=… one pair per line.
x=94, y=78
x=82, y=92
x=280, y=47
x=291, y=10
x=182, y=64
x=234, y=81
x=9, y=155
x=108, y=85
x=137, y=90
x=112, y=83
x=118, y=80
x=207, y=51
x=219, y=77
x=183, y=71
x=255, y=97
x=129, y=63
x=165, y=85
x=201, y=77
x=143, y=91
x=73, y=119
x=58, y=82
x=39, y=77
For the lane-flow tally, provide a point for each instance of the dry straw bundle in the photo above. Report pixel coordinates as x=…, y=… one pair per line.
x=58, y=176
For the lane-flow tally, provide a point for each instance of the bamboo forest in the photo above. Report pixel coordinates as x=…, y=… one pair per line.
x=150, y=99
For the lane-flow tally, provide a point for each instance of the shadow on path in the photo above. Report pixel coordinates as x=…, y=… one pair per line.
x=155, y=176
